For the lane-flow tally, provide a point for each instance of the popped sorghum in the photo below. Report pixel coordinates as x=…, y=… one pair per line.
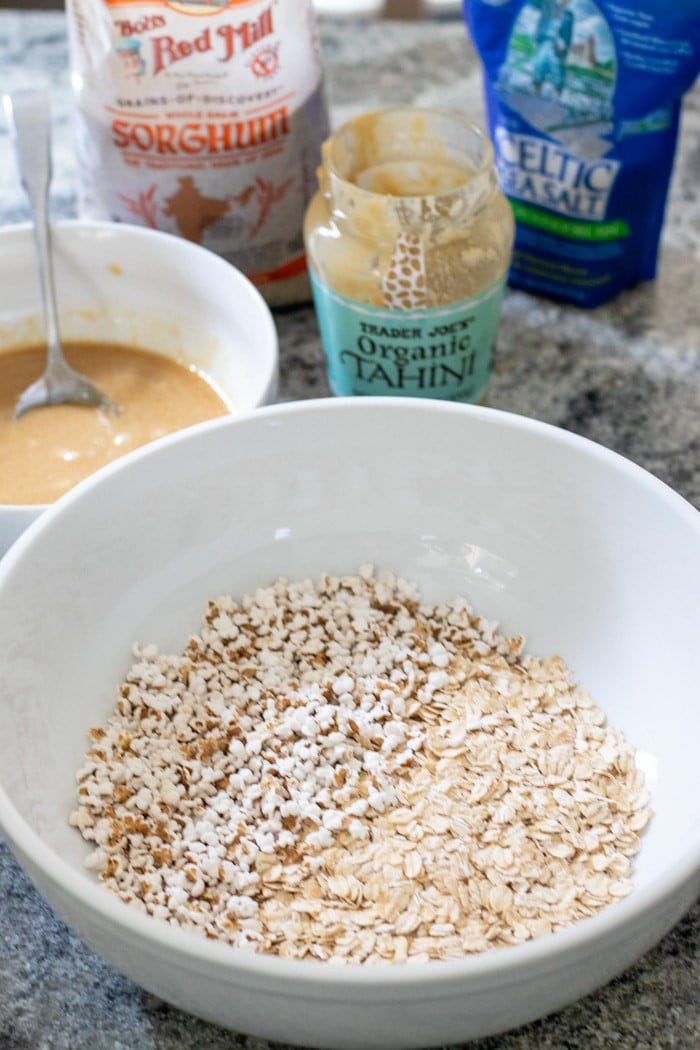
x=335, y=770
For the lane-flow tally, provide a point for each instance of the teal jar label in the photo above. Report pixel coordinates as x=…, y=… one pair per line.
x=443, y=352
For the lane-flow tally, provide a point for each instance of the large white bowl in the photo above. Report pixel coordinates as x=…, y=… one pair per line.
x=117, y=283
x=550, y=534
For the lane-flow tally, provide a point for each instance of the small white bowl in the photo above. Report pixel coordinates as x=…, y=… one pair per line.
x=558, y=538
x=118, y=283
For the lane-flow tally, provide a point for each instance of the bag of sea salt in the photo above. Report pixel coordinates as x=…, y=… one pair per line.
x=203, y=118
x=583, y=100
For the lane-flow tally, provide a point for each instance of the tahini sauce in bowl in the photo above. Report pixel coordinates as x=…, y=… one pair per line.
x=161, y=306
x=48, y=450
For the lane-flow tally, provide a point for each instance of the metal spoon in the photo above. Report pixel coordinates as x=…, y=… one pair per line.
x=29, y=119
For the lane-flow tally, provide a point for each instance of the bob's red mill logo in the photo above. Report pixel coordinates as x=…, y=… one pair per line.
x=225, y=41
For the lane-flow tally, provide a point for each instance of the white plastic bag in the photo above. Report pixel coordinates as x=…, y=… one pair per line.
x=204, y=119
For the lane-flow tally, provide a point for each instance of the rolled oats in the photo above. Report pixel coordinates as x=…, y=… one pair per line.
x=335, y=770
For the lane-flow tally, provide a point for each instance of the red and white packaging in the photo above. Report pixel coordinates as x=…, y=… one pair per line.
x=204, y=119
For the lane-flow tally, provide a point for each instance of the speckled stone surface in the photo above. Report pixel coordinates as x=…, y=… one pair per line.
x=627, y=375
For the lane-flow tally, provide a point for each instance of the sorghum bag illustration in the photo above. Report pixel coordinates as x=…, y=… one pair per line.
x=205, y=119
x=583, y=100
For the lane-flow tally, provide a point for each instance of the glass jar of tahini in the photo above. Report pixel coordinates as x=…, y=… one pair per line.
x=408, y=243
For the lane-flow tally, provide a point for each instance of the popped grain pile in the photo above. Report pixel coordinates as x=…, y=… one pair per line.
x=336, y=770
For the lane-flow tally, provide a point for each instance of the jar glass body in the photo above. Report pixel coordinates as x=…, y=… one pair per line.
x=410, y=226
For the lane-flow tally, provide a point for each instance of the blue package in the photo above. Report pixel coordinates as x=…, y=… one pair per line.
x=583, y=105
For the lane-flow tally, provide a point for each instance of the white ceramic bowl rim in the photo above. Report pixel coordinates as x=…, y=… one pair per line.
x=147, y=235
x=506, y=962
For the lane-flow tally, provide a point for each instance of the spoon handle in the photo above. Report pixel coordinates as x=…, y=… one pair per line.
x=28, y=114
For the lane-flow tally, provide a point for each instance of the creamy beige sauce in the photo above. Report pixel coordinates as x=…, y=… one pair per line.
x=48, y=450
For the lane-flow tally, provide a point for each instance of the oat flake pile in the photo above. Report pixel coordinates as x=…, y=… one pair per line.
x=335, y=770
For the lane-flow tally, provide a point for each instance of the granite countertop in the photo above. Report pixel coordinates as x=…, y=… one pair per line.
x=626, y=375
